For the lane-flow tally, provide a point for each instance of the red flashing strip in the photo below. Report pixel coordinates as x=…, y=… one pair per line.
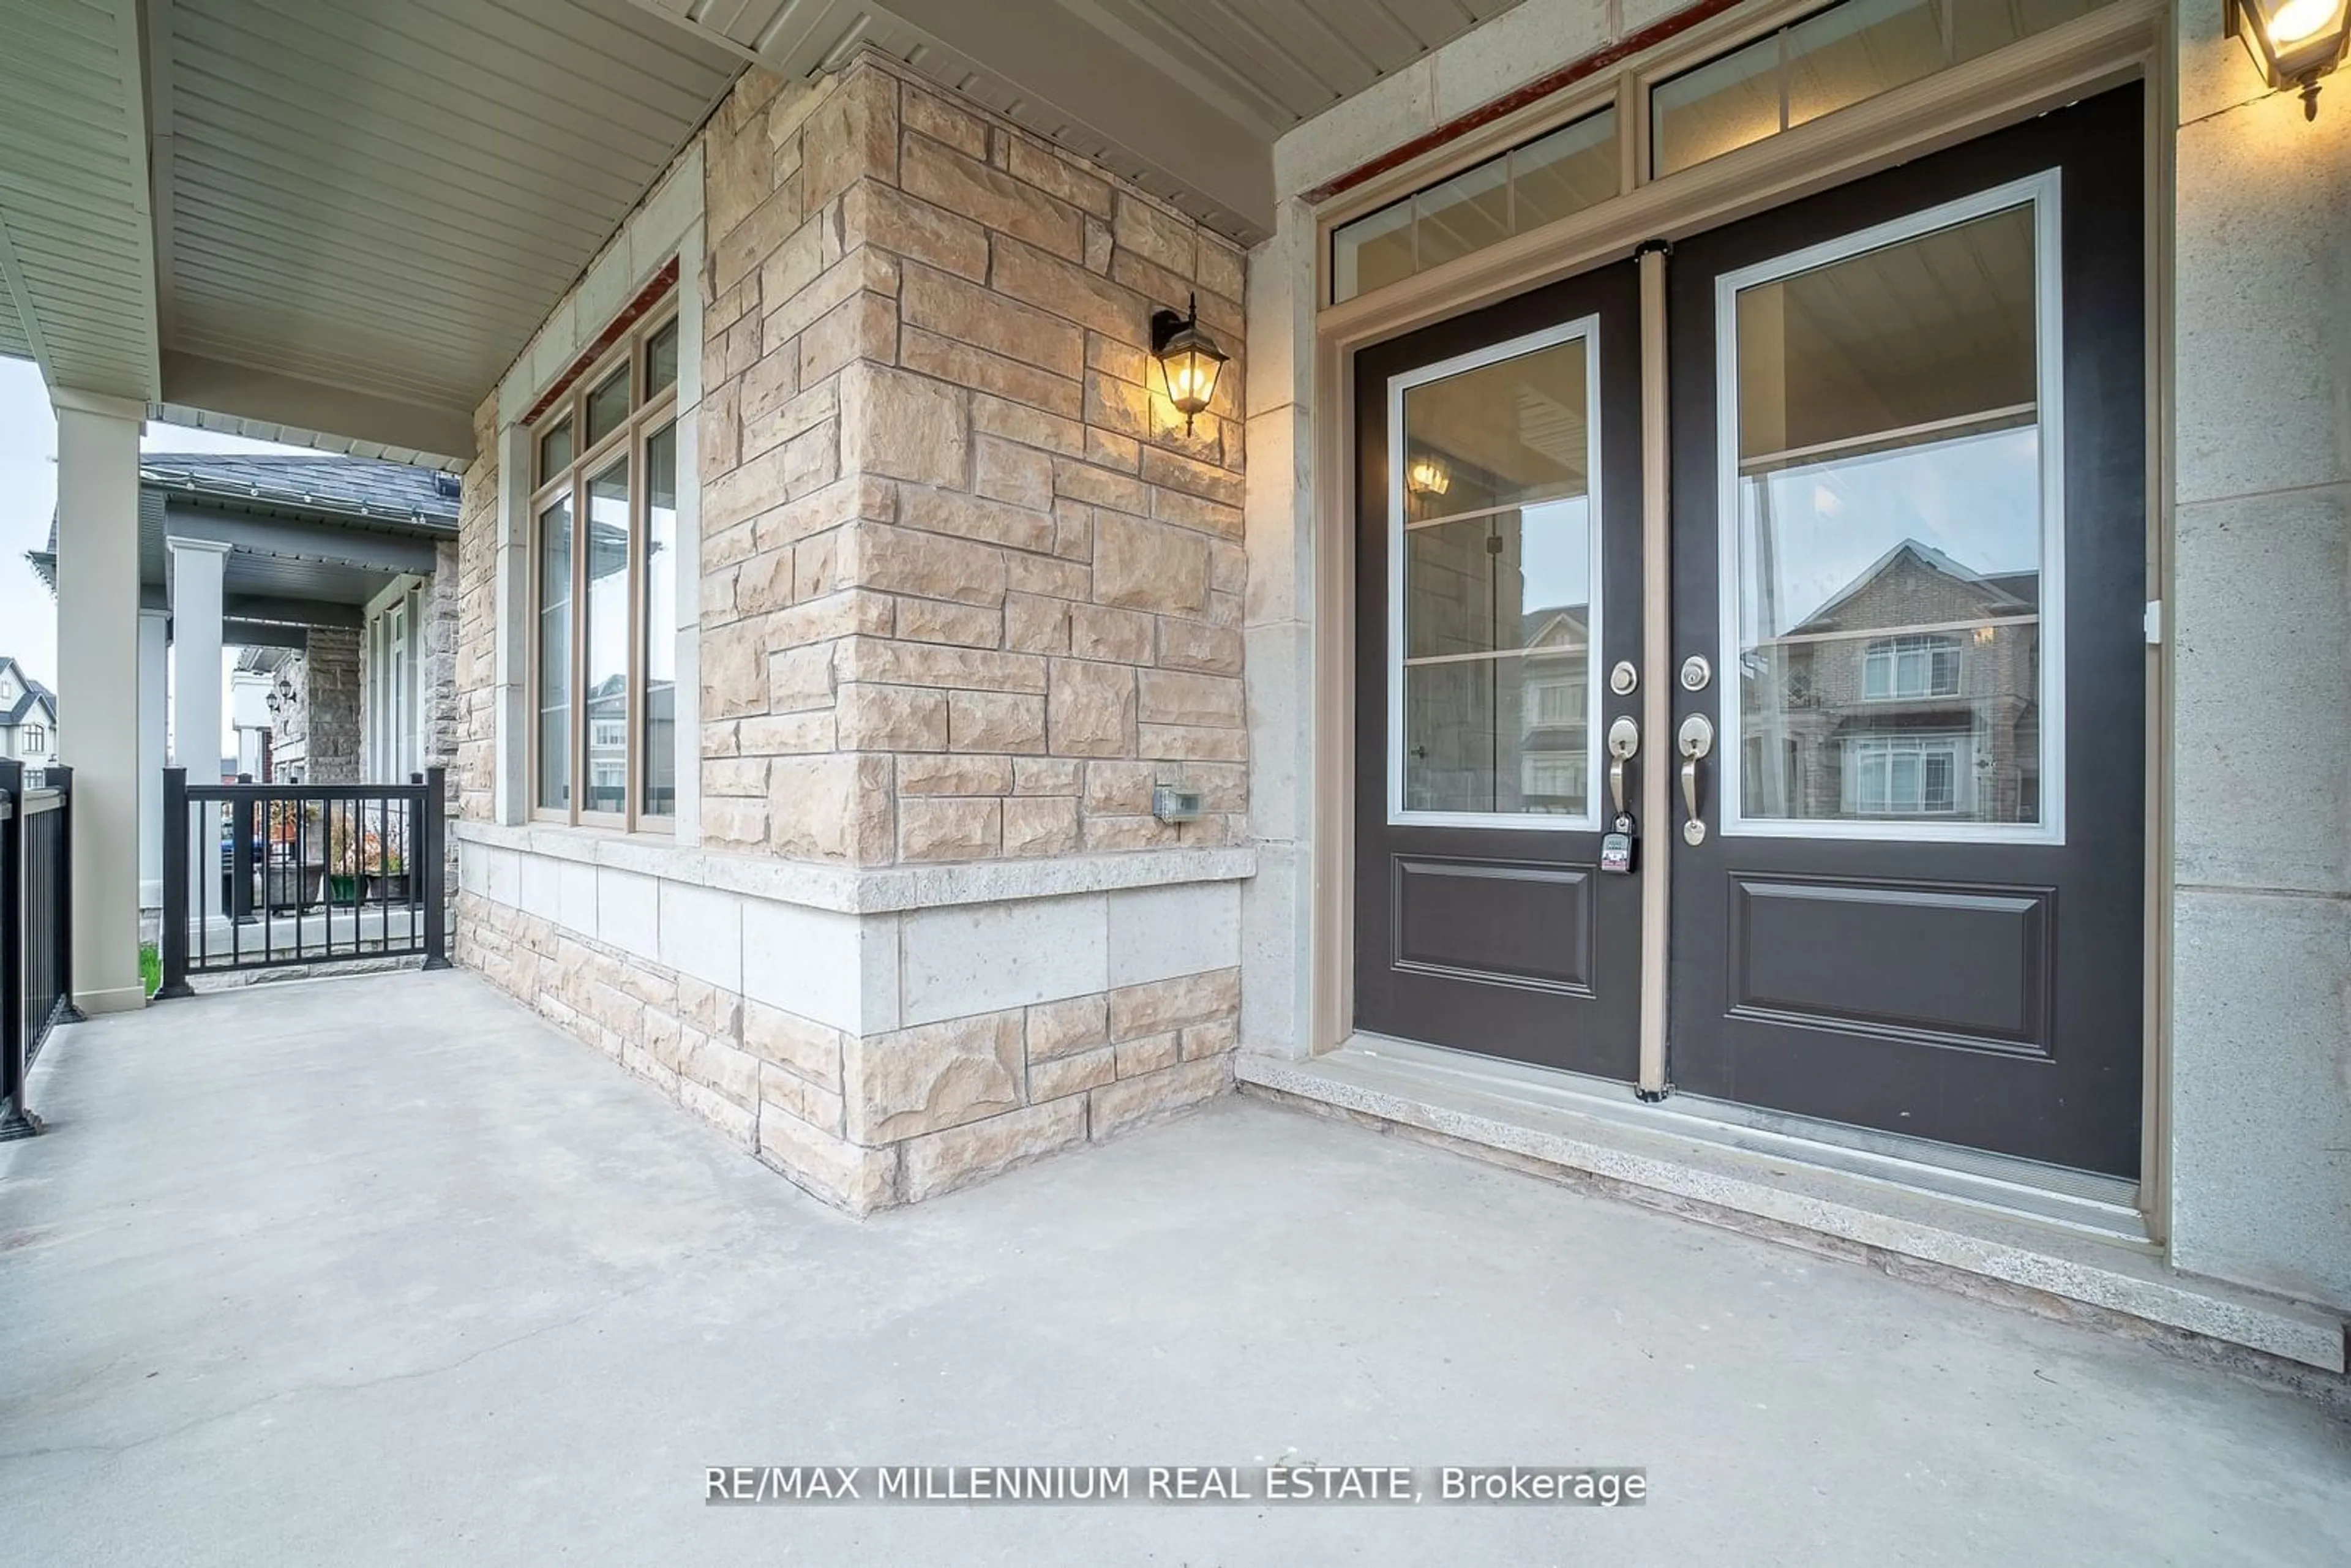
x=1511, y=102
x=647, y=298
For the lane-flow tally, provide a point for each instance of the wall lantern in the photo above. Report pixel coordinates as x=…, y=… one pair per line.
x=2294, y=42
x=1427, y=476
x=1188, y=360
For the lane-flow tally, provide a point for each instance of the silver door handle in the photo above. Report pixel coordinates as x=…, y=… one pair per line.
x=1696, y=739
x=1624, y=741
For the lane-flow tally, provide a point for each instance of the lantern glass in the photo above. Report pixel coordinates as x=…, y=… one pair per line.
x=1191, y=374
x=2294, y=40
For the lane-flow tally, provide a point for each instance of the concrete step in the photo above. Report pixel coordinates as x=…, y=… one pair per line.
x=2075, y=1248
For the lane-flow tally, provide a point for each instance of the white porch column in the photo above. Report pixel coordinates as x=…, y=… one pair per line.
x=155, y=755
x=196, y=566
x=98, y=686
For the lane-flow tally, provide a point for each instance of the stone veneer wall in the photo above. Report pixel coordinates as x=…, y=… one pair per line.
x=968, y=593
x=969, y=589
x=707, y=993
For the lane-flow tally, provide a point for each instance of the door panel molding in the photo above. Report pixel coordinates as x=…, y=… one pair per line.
x=1791, y=939
x=1451, y=931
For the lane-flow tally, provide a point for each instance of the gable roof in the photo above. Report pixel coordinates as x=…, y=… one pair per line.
x=2005, y=591
x=33, y=693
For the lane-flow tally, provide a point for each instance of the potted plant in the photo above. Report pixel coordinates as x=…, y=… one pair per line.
x=343, y=852
x=384, y=861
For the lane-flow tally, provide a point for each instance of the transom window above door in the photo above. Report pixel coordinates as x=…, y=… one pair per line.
x=603, y=552
x=1494, y=564
x=1892, y=529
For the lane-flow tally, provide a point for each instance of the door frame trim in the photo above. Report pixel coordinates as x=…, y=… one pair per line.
x=2127, y=40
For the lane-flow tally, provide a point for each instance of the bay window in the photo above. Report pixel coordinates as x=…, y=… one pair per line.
x=603, y=733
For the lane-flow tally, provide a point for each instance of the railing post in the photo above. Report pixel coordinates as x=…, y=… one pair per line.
x=174, y=935
x=15, y=1120
x=61, y=779
x=240, y=858
x=429, y=832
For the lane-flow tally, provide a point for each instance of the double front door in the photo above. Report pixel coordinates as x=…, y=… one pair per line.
x=1902, y=855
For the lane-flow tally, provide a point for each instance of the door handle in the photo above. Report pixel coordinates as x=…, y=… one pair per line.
x=1624, y=741
x=1696, y=739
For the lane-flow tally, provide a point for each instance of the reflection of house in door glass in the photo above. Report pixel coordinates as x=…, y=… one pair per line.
x=1910, y=693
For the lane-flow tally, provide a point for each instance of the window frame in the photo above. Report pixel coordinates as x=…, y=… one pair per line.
x=647, y=417
x=1399, y=528
x=2043, y=193
x=1930, y=648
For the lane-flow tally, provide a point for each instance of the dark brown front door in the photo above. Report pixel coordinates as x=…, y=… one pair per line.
x=1910, y=542
x=1497, y=581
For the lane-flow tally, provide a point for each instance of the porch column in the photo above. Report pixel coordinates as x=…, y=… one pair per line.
x=196, y=567
x=98, y=686
x=155, y=755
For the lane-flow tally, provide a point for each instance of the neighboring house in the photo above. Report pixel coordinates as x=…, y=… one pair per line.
x=1913, y=693
x=28, y=716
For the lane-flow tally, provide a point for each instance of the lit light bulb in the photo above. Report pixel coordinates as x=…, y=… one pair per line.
x=2298, y=19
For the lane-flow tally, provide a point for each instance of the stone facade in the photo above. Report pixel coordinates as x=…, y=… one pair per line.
x=317, y=728
x=969, y=591
x=862, y=1119
x=969, y=587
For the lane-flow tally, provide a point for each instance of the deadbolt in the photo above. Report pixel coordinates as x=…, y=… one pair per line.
x=1623, y=679
x=1696, y=672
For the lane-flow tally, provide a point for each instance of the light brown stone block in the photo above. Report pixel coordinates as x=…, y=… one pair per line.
x=878, y=214
x=1026, y=385
x=1145, y=565
x=1072, y=1074
x=1175, y=696
x=853, y=134
x=891, y=718
x=1134, y=1102
x=1158, y=236
x=1050, y=171
x=939, y=174
x=1060, y=1027
x=1041, y=825
x=903, y=426
x=939, y=829
x=995, y=721
x=1148, y=1053
x=951, y=775
x=975, y=518
x=941, y=1162
x=852, y=1176
x=1091, y=710
x=1162, y=1005
x=920, y=1080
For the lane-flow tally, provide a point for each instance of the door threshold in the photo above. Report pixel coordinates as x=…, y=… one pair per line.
x=1969, y=1225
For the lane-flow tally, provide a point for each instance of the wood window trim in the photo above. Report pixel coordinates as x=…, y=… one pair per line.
x=621, y=347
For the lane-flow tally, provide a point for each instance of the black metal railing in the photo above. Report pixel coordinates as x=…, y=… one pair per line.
x=263, y=876
x=35, y=926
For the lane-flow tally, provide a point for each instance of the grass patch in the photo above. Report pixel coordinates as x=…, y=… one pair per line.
x=151, y=967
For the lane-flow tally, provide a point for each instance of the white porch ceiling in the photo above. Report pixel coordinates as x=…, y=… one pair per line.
x=1183, y=97
x=339, y=221
x=76, y=259
x=365, y=207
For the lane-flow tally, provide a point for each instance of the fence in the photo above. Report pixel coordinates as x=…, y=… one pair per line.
x=35, y=926
x=301, y=875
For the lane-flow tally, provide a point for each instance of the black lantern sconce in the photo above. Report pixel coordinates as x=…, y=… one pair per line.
x=1188, y=360
x=2293, y=42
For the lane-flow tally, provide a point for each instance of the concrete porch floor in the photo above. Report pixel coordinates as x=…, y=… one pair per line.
x=387, y=1269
